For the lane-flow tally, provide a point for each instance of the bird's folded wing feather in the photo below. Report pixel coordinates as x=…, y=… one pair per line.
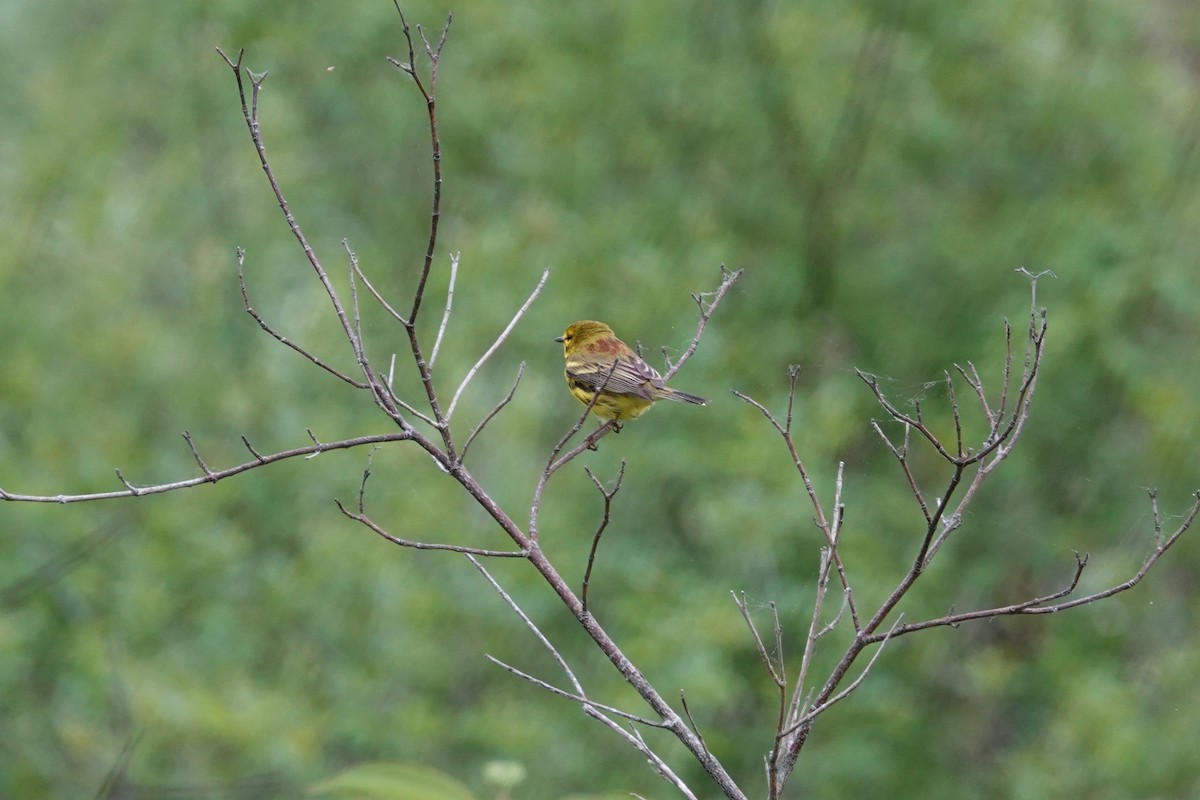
x=627, y=377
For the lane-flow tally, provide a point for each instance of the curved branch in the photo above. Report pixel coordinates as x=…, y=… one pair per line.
x=212, y=476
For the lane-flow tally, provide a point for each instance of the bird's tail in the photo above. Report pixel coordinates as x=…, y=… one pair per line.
x=683, y=397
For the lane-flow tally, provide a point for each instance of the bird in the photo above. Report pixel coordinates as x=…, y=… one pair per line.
x=596, y=360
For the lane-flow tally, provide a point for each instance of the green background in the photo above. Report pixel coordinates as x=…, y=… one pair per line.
x=879, y=169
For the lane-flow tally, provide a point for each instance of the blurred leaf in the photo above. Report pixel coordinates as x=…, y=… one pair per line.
x=392, y=781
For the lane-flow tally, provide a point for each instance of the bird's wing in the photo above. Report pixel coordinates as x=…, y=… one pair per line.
x=633, y=377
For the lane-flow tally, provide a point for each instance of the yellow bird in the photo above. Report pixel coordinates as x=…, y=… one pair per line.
x=596, y=360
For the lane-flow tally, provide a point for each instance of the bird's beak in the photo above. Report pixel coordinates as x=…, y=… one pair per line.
x=558, y=339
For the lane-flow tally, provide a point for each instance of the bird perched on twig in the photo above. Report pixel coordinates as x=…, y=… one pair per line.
x=596, y=360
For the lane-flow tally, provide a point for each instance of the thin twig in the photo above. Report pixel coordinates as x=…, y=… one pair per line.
x=553, y=465
x=415, y=545
x=430, y=95
x=740, y=600
x=250, y=447
x=437, y=343
x=598, y=711
x=541, y=637
x=578, y=698
x=589, y=442
x=213, y=476
x=362, y=517
x=900, y=452
x=478, y=429
x=362, y=276
x=819, y=518
x=955, y=413
x=250, y=115
x=187, y=437
x=435, y=214
x=691, y=721
x=590, y=707
x=842, y=695
x=496, y=344
x=1038, y=605
x=356, y=318
x=778, y=677
x=279, y=337
x=707, y=302
x=608, y=496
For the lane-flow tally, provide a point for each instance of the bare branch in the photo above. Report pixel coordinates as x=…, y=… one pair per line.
x=842, y=695
x=437, y=343
x=478, y=429
x=901, y=455
x=187, y=437
x=976, y=383
x=541, y=637
x=593, y=709
x=1159, y=550
x=955, y=413
x=253, y=452
x=660, y=766
x=133, y=490
x=361, y=516
x=552, y=465
x=691, y=721
x=820, y=519
x=814, y=623
x=496, y=344
x=262, y=323
x=634, y=737
x=378, y=297
x=598, y=711
x=453, y=548
x=386, y=383
x=1044, y=604
x=707, y=302
x=578, y=698
x=430, y=95
x=250, y=115
x=213, y=476
x=914, y=421
x=356, y=340
x=776, y=674
x=589, y=442
x=608, y=496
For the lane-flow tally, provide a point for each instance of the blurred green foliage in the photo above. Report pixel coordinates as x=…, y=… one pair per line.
x=878, y=168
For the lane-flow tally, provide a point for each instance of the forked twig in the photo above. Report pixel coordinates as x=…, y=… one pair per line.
x=362, y=517
x=250, y=115
x=608, y=496
x=279, y=337
x=707, y=302
x=817, y=710
x=598, y=711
